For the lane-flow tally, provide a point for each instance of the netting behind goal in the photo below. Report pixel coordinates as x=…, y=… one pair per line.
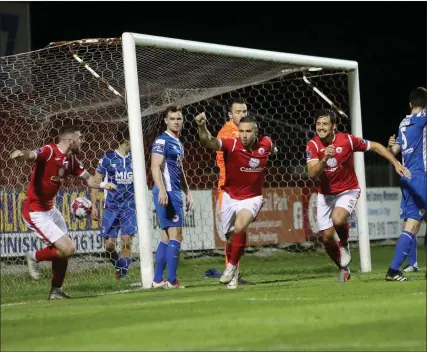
x=45, y=89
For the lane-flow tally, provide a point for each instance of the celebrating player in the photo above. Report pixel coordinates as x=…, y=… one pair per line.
x=236, y=110
x=169, y=178
x=245, y=160
x=119, y=207
x=53, y=164
x=411, y=142
x=330, y=158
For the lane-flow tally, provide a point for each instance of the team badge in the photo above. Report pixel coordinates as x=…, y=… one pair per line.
x=338, y=150
x=253, y=162
x=332, y=162
x=261, y=151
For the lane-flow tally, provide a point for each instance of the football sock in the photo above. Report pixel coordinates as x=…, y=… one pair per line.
x=412, y=254
x=172, y=259
x=123, y=266
x=237, y=247
x=59, y=268
x=113, y=256
x=46, y=254
x=403, y=246
x=160, y=261
x=343, y=233
x=333, y=250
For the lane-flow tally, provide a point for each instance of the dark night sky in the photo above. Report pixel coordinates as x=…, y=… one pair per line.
x=388, y=39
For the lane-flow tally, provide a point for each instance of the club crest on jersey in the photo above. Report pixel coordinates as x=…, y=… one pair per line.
x=254, y=162
x=363, y=141
x=159, y=146
x=332, y=162
x=261, y=151
x=338, y=150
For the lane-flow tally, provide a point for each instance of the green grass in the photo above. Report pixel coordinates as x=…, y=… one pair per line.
x=296, y=304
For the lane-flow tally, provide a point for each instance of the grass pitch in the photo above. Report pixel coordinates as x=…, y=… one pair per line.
x=296, y=304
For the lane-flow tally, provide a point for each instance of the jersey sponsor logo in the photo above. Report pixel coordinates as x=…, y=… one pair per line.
x=57, y=179
x=332, y=162
x=159, y=146
x=338, y=150
x=254, y=163
x=124, y=177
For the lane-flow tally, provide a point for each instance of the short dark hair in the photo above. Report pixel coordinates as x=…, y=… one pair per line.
x=68, y=129
x=418, y=97
x=123, y=134
x=248, y=119
x=171, y=108
x=233, y=101
x=325, y=113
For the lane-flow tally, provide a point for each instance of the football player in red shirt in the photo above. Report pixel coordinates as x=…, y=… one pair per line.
x=330, y=159
x=245, y=160
x=52, y=165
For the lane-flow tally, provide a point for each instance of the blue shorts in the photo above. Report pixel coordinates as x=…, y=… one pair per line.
x=171, y=215
x=114, y=220
x=414, y=197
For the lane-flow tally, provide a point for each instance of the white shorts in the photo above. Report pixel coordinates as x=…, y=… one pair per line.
x=230, y=208
x=327, y=202
x=48, y=225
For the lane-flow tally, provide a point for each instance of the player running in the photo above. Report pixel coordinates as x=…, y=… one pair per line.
x=412, y=143
x=119, y=207
x=52, y=165
x=170, y=180
x=330, y=159
x=245, y=160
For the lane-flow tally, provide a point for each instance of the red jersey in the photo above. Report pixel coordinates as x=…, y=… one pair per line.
x=339, y=175
x=50, y=170
x=244, y=169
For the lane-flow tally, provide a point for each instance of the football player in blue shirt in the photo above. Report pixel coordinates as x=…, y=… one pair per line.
x=412, y=143
x=119, y=207
x=166, y=166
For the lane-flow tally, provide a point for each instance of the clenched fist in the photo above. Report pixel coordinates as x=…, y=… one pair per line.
x=201, y=119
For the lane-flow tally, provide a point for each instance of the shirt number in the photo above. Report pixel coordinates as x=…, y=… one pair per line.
x=405, y=142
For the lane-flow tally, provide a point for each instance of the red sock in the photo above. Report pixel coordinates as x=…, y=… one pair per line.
x=46, y=254
x=333, y=250
x=59, y=268
x=343, y=233
x=227, y=253
x=237, y=247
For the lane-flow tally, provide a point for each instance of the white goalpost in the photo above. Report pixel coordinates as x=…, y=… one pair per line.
x=106, y=84
x=132, y=40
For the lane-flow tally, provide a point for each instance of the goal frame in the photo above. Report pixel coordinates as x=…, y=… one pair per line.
x=129, y=43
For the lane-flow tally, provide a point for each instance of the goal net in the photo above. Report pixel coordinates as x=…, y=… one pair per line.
x=83, y=82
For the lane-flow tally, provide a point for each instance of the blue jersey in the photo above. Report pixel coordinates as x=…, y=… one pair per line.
x=412, y=138
x=117, y=169
x=171, y=148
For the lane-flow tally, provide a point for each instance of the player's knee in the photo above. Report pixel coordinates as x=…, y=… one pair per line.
x=339, y=220
x=68, y=251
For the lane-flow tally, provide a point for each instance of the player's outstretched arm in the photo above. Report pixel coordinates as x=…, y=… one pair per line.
x=93, y=182
x=392, y=147
x=205, y=136
x=382, y=151
x=24, y=155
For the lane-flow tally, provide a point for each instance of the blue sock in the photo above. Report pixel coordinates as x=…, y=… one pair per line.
x=172, y=258
x=123, y=265
x=412, y=255
x=160, y=261
x=403, y=246
x=113, y=257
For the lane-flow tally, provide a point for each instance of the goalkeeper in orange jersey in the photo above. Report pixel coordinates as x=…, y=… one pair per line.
x=236, y=110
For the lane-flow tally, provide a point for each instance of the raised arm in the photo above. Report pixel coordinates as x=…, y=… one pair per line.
x=205, y=136
x=24, y=155
x=386, y=154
